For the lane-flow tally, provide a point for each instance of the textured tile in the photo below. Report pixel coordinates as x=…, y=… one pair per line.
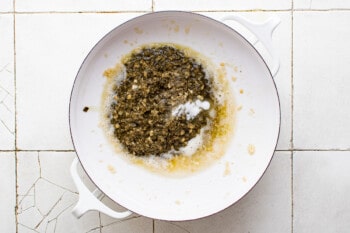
x=47, y=196
x=210, y=5
x=7, y=90
x=6, y=6
x=8, y=192
x=47, y=62
x=267, y=208
x=321, y=192
x=321, y=4
x=282, y=44
x=321, y=80
x=44, y=205
x=83, y=5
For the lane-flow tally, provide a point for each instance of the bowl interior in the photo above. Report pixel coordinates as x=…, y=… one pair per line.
x=205, y=192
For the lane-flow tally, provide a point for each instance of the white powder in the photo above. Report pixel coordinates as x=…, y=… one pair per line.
x=190, y=109
x=194, y=144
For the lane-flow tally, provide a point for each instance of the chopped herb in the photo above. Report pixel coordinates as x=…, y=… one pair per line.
x=158, y=78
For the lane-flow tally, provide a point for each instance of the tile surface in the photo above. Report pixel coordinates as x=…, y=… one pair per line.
x=308, y=193
x=269, y=199
x=6, y=6
x=210, y=5
x=321, y=80
x=7, y=192
x=45, y=203
x=321, y=4
x=46, y=195
x=45, y=76
x=7, y=90
x=83, y=5
x=321, y=192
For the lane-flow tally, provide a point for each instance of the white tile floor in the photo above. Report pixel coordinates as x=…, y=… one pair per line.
x=307, y=186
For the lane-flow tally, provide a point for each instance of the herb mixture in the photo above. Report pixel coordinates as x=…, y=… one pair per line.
x=158, y=79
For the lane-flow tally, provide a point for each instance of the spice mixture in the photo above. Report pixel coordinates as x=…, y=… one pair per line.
x=158, y=80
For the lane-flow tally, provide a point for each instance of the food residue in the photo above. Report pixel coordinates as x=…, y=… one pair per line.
x=178, y=202
x=165, y=102
x=86, y=109
x=251, y=112
x=251, y=149
x=233, y=78
x=138, y=30
x=227, y=169
x=244, y=179
x=239, y=108
x=187, y=30
x=241, y=91
x=111, y=169
x=160, y=80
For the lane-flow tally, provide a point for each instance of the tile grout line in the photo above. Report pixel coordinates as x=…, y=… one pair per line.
x=292, y=119
x=193, y=10
x=99, y=217
x=142, y=11
x=15, y=105
x=78, y=12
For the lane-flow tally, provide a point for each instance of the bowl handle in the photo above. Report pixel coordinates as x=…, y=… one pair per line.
x=263, y=32
x=91, y=201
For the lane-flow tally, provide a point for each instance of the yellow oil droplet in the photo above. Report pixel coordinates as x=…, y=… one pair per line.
x=227, y=169
x=111, y=169
x=251, y=149
x=138, y=30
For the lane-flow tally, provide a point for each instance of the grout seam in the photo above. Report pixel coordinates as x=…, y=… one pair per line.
x=142, y=11
x=292, y=121
x=193, y=10
x=15, y=105
x=292, y=190
x=45, y=151
x=80, y=12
